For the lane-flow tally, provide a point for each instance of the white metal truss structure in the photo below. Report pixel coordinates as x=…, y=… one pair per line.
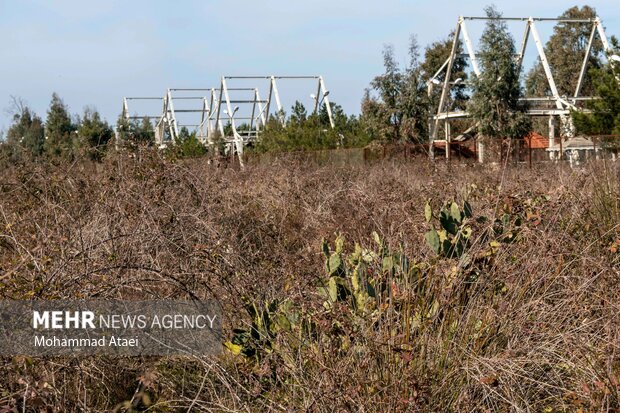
x=214, y=110
x=561, y=105
x=225, y=123
x=260, y=109
x=173, y=118
x=127, y=115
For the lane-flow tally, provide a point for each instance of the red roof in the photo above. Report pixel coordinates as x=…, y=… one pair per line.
x=536, y=141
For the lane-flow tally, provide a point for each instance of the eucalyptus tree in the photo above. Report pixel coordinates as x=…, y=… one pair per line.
x=565, y=52
x=604, y=118
x=395, y=107
x=494, y=103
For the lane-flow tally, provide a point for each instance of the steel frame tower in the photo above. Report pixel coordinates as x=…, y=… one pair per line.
x=218, y=110
x=563, y=104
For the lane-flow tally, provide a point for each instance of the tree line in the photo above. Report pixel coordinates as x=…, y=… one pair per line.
x=396, y=106
x=61, y=135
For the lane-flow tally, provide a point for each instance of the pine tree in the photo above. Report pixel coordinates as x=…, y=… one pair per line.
x=187, y=145
x=94, y=133
x=145, y=133
x=59, y=139
x=496, y=92
x=136, y=132
x=298, y=113
x=26, y=132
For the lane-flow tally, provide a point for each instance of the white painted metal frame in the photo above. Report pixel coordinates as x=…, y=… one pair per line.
x=214, y=120
x=563, y=105
x=260, y=114
x=126, y=115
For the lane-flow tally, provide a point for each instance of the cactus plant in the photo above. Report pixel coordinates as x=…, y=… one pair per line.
x=453, y=233
x=347, y=280
x=268, y=320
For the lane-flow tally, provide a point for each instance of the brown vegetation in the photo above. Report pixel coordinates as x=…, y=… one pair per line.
x=525, y=319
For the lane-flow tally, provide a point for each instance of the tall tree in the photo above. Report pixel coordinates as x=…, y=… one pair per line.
x=27, y=131
x=187, y=145
x=338, y=115
x=94, y=133
x=496, y=92
x=143, y=132
x=298, y=113
x=375, y=118
x=398, y=109
x=414, y=104
x=135, y=132
x=435, y=56
x=565, y=51
x=389, y=88
x=59, y=128
x=605, y=116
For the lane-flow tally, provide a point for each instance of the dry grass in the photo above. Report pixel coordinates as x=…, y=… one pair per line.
x=533, y=325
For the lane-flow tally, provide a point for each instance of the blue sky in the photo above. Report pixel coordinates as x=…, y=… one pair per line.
x=94, y=53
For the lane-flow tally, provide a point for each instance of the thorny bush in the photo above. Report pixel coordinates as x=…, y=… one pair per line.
x=381, y=287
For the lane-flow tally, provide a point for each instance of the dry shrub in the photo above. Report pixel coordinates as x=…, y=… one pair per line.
x=534, y=329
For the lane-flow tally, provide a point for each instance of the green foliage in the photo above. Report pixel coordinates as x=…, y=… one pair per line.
x=134, y=133
x=187, y=145
x=94, y=133
x=26, y=132
x=60, y=138
x=376, y=118
x=347, y=278
x=377, y=290
x=434, y=57
x=312, y=132
x=389, y=87
x=298, y=113
x=268, y=320
x=217, y=148
x=496, y=92
x=453, y=234
x=396, y=107
x=565, y=50
x=399, y=110
x=452, y=228
x=605, y=116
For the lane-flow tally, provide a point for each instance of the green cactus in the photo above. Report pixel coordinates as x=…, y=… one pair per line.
x=454, y=232
x=432, y=239
x=347, y=278
x=268, y=320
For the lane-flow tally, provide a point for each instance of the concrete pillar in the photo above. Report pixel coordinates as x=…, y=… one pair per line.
x=480, y=150
x=551, y=131
x=117, y=138
x=431, y=139
x=448, y=140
